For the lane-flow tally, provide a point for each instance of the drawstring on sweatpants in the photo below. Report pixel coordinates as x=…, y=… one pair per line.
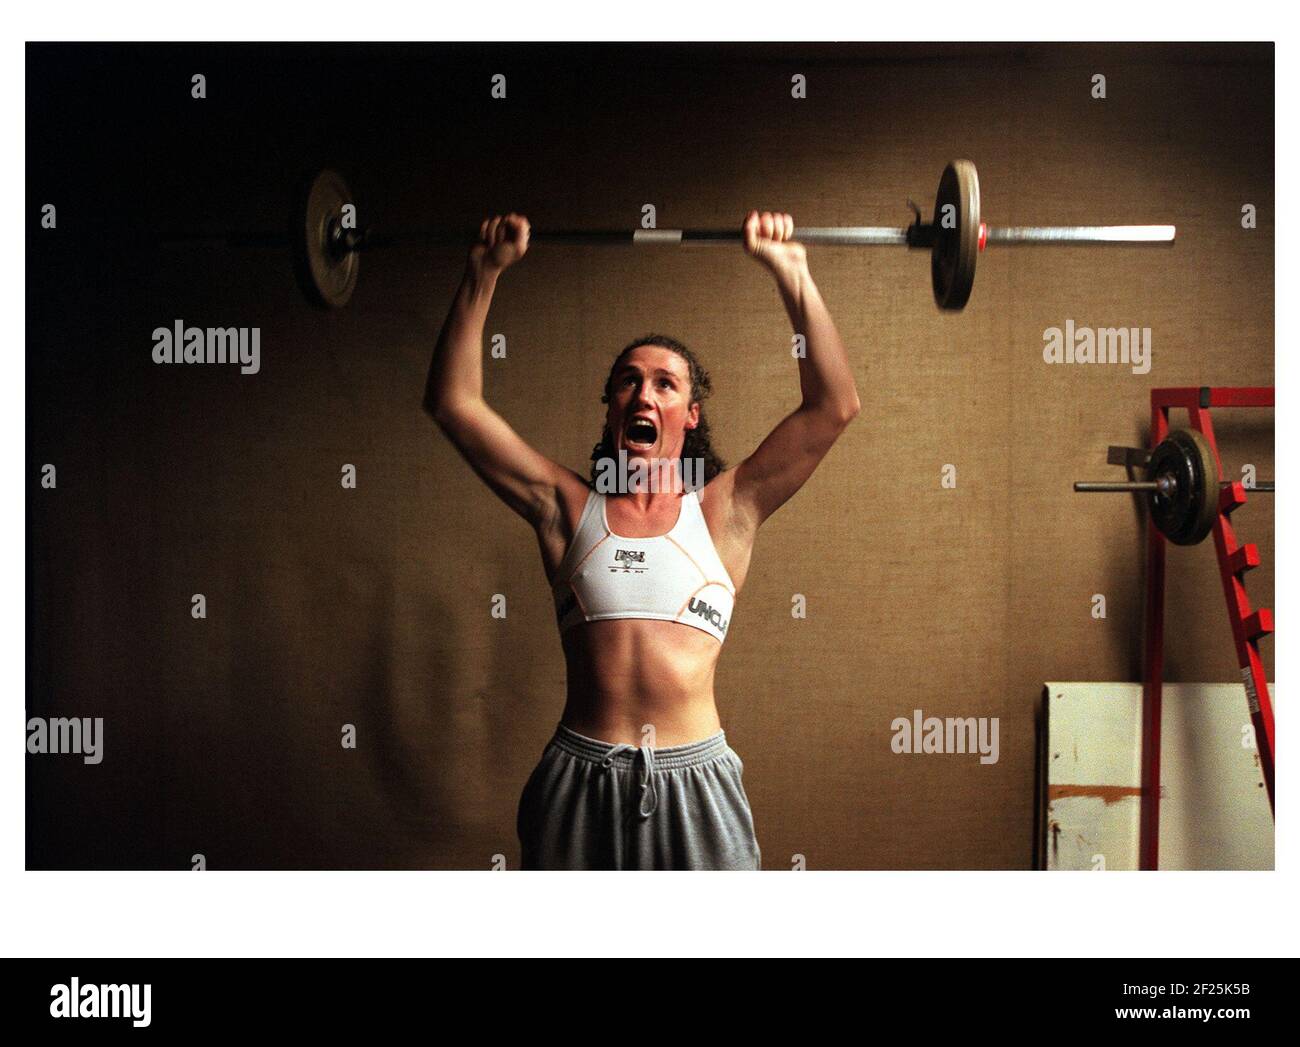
x=648, y=784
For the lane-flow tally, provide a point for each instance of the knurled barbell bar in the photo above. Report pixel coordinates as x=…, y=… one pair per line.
x=327, y=253
x=1181, y=479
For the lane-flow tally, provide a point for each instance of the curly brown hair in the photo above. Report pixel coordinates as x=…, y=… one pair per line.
x=698, y=442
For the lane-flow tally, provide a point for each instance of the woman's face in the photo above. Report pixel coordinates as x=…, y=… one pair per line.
x=650, y=405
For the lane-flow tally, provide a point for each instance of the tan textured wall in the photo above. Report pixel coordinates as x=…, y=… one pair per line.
x=372, y=606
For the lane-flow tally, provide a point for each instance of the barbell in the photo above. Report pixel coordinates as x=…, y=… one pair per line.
x=327, y=244
x=1182, y=482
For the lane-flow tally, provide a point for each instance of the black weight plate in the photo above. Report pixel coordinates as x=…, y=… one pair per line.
x=1185, y=515
x=328, y=275
x=956, y=248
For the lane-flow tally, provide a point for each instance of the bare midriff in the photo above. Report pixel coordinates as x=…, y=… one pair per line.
x=628, y=673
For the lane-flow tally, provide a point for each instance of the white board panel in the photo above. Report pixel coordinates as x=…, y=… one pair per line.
x=1214, y=811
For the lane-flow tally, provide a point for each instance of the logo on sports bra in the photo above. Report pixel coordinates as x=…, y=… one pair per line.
x=625, y=558
x=708, y=613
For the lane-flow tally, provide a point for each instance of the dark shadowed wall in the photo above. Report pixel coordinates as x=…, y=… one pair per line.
x=371, y=607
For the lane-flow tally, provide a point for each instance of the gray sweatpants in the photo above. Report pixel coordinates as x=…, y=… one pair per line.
x=596, y=805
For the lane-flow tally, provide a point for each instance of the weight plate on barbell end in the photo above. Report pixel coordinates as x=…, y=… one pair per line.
x=956, y=246
x=328, y=275
x=1186, y=516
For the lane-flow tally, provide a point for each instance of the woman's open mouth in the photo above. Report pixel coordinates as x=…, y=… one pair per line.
x=640, y=434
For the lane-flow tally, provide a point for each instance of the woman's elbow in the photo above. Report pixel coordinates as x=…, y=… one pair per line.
x=439, y=411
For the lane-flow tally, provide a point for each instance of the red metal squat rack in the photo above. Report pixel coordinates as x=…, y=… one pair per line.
x=1248, y=626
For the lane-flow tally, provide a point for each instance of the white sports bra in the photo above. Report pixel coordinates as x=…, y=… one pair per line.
x=673, y=577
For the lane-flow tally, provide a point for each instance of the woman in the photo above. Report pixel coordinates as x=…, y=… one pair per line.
x=638, y=774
